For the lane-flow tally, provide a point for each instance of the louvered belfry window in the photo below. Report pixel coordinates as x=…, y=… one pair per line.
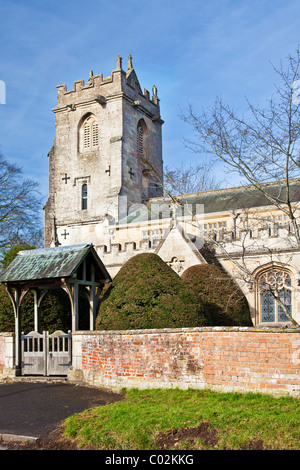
x=90, y=133
x=95, y=134
x=140, y=142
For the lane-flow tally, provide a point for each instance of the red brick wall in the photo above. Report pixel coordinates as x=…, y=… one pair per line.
x=245, y=359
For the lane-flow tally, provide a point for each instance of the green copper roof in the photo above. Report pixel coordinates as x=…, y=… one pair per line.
x=46, y=263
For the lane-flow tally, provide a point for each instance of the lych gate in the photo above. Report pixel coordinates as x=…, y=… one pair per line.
x=40, y=270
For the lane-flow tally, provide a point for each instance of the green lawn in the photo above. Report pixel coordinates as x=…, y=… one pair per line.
x=189, y=419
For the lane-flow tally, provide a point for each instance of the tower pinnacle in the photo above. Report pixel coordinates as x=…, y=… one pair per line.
x=130, y=66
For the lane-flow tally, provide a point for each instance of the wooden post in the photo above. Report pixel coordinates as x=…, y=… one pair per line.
x=46, y=351
x=72, y=290
x=93, y=302
x=15, y=296
x=17, y=331
x=75, y=312
x=36, y=310
x=93, y=305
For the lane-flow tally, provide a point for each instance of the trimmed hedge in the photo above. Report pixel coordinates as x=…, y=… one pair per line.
x=223, y=300
x=146, y=293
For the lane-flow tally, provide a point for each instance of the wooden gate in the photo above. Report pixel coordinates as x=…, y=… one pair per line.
x=46, y=354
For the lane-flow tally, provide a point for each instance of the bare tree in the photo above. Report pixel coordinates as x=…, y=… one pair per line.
x=261, y=147
x=190, y=179
x=20, y=206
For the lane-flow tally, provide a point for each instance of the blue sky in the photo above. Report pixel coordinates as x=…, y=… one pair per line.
x=192, y=51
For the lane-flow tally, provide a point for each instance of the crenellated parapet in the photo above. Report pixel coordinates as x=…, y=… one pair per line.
x=101, y=89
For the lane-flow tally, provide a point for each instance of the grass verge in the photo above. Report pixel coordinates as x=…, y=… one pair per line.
x=189, y=420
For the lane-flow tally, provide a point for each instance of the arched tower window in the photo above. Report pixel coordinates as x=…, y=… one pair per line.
x=84, y=196
x=142, y=139
x=143, y=158
x=275, y=283
x=89, y=134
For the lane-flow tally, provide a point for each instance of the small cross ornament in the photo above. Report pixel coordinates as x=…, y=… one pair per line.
x=66, y=178
x=65, y=234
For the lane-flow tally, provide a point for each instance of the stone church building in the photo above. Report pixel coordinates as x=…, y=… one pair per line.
x=106, y=189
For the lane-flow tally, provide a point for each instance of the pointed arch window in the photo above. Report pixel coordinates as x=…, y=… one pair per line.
x=89, y=133
x=142, y=139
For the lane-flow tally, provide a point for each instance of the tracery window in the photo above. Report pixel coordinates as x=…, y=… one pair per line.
x=89, y=133
x=275, y=283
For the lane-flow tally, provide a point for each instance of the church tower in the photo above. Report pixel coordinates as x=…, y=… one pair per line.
x=106, y=155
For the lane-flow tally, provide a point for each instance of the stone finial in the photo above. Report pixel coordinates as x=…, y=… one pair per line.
x=130, y=66
x=119, y=62
x=154, y=91
x=90, y=80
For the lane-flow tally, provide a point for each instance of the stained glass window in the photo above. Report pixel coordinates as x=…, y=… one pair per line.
x=267, y=307
x=286, y=298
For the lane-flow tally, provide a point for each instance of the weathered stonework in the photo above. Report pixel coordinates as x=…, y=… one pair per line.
x=111, y=167
x=7, y=355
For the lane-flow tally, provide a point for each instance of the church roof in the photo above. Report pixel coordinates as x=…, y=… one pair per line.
x=49, y=263
x=242, y=197
x=217, y=200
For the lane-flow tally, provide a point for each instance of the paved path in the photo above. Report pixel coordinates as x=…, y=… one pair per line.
x=34, y=409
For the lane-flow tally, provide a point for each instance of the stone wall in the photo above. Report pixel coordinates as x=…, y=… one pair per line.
x=6, y=355
x=222, y=358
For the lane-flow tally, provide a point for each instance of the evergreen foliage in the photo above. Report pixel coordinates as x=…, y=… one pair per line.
x=223, y=300
x=146, y=293
x=10, y=254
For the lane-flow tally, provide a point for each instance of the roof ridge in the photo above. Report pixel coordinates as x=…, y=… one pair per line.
x=232, y=188
x=53, y=249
